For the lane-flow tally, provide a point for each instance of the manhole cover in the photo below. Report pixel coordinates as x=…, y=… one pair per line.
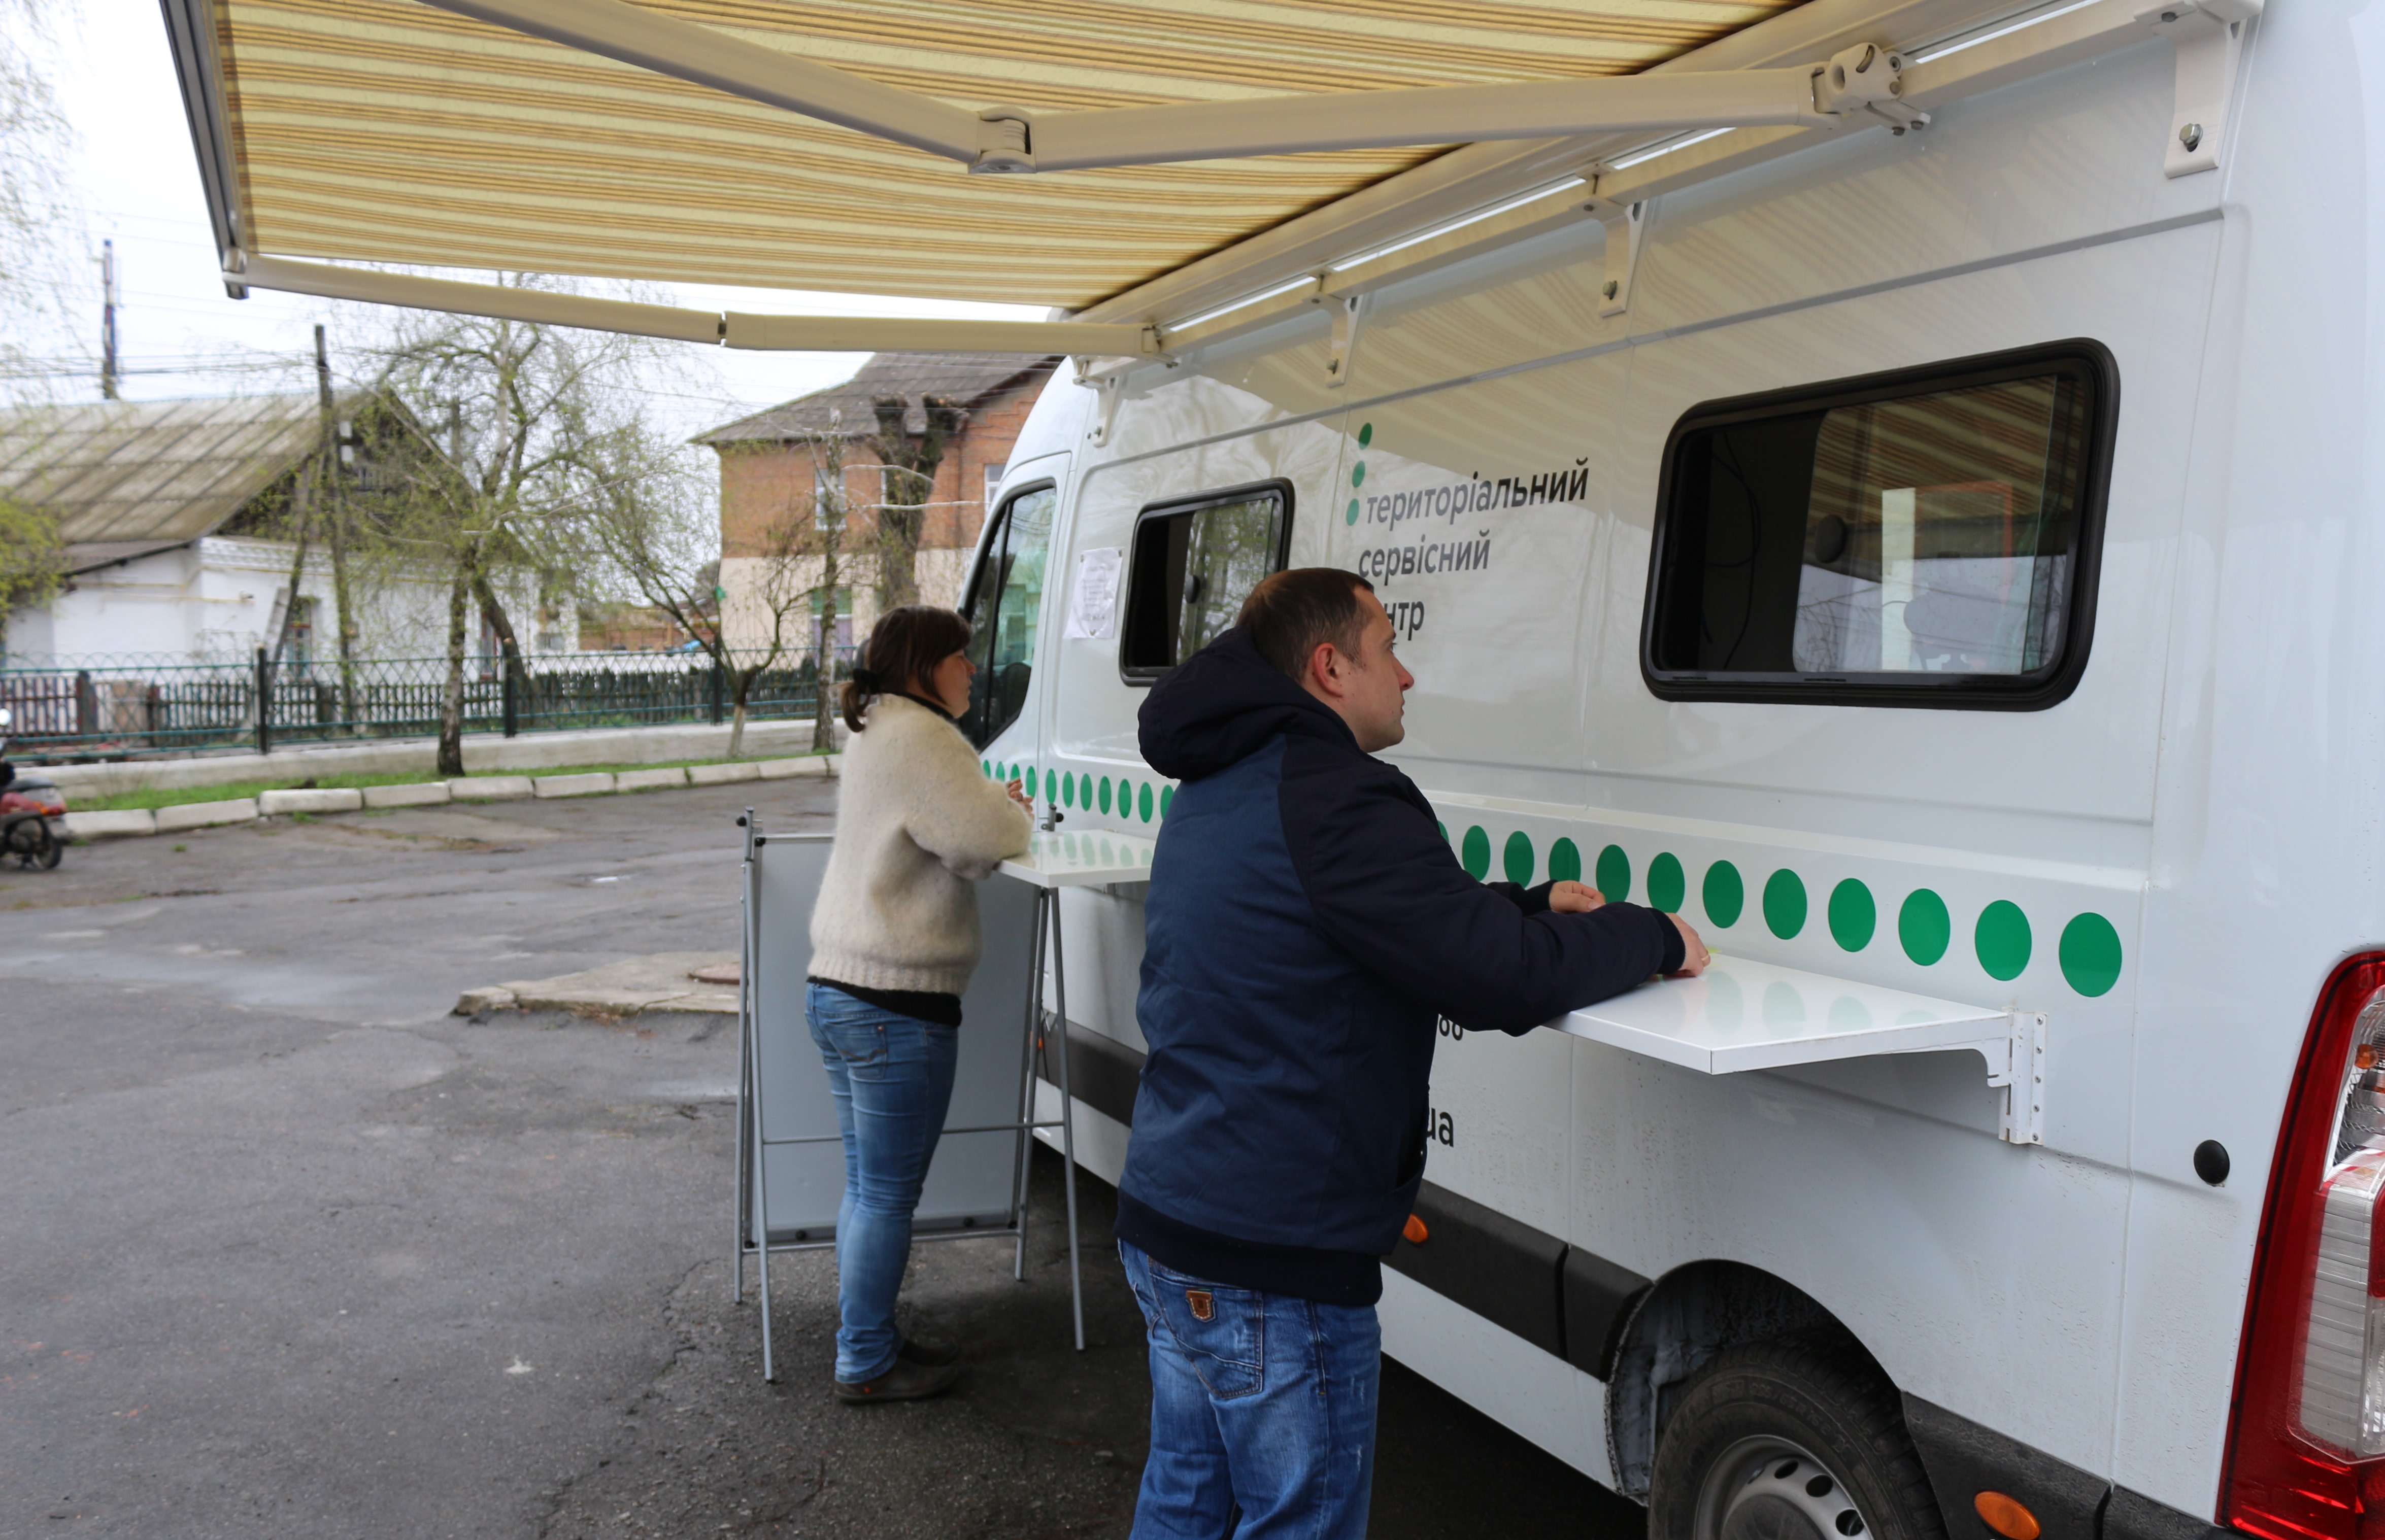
x=719, y=972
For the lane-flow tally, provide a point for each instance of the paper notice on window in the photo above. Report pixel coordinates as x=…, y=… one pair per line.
x=1092, y=609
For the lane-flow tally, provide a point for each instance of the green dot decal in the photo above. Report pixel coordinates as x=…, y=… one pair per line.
x=1517, y=858
x=1725, y=895
x=986, y=766
x=1143, y=802
x=1166, y=795
x=1564, y=861
x=1852, y=915
x=1784, y=903
x=1614, y=874
x=1067, y=792
x=1366, y=434
x=1923, y=926
x=1358, y=474
x=1474, y=853
x=1350, y=515
x=1031, y=781
x=2091, y=954
x=1010, y=772
x=1105, y=793
x=1666, y=886
x=2002, y=937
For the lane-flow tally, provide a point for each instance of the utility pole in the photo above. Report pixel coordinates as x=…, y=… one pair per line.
x=336, y=515
x=107, y=320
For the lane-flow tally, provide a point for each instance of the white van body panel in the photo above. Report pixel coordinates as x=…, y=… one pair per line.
x=2212, y=787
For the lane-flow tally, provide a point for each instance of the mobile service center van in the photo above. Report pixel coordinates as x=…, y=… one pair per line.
x=1892, y=484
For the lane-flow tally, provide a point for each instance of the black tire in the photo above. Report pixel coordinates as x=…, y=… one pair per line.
x=55, y=853
x=30, y=841
x=1797, y=1438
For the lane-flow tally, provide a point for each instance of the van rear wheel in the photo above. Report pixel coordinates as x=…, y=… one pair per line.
x=1794, y=1439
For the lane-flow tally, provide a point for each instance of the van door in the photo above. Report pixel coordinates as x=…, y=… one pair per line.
x=1004, y=603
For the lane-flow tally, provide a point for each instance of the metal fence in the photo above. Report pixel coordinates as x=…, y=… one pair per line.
x=101, y=707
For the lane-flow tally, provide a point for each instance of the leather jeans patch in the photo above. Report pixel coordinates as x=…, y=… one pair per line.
x=1204, y=1304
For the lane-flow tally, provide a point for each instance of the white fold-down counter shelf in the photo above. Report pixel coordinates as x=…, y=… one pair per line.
x=1093, y=858
x=1746, y=1015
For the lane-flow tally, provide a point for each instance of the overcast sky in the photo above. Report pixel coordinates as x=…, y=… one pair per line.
x=138, y=183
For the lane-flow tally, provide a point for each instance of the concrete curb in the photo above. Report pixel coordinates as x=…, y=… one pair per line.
x=311, y=799
x=133, y=823
x=419, y=794
x=205, y=815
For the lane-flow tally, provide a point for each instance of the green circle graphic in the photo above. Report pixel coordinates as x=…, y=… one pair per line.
x=1366, y=434
x=1166, y=795
x=1564, y=861
x=2002, y=939
x=1852, y=915
x=2090, y=952
x=1031, y=781
x=1784, y=903
x=1143, y=802
x=1358, y=474
x=1923, y=926
x=1067, y=792
x=1666, y=885
x=1474, y=853
x=1350, y=517
x=1725, y=895
x=1105, y=793
x=1517, y=858
x=1614, y=874
x=986, y=765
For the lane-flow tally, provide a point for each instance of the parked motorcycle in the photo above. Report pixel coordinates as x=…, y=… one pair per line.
x=28, y=804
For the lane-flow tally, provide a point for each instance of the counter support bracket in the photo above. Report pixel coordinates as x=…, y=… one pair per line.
x=2017, y=1066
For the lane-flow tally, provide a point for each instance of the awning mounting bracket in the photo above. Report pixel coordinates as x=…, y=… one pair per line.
x=2209, y=38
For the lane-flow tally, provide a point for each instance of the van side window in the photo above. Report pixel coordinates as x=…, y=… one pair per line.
x=1193, y=563
x=1002, y=611
x=1923, y=539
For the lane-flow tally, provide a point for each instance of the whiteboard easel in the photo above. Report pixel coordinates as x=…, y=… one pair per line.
x=790, y=1154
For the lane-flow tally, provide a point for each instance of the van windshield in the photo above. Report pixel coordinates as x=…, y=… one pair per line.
x=1002, y=614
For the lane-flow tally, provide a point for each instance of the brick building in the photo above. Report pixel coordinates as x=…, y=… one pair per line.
x=771, y=471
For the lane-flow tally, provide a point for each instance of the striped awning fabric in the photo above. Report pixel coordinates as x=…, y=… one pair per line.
x=389, y=131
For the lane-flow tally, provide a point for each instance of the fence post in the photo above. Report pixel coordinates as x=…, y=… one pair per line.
x=512, y=704
x=86, y=705
x=720, y=692
x=264, y=702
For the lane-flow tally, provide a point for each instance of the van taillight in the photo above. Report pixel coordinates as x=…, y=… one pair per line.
x=2306, y=1443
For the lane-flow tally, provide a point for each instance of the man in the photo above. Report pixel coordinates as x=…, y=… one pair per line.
x=1305, y=925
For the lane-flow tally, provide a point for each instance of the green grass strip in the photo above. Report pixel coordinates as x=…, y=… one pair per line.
x=157, y=797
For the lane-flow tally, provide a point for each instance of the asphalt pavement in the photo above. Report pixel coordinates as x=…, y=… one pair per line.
x=288, y=1249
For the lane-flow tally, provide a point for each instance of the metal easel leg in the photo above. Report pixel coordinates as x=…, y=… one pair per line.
x=745, y=1073
x=761, y=1231
x=1023, y=1147
x=1067, y=1121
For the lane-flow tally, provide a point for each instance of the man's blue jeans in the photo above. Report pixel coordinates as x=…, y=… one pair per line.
x=892, y=1075
x=1259, y=1402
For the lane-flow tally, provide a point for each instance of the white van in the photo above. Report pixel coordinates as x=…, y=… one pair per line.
x=1941, y=566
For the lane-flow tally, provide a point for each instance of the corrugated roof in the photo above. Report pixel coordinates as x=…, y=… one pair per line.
x=968, y=378
x=386, y=130
x=125, y=478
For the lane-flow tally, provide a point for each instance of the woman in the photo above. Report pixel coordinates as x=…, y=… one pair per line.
x=895, y=938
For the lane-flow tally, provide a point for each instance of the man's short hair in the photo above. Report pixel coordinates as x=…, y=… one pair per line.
x=1291, y=614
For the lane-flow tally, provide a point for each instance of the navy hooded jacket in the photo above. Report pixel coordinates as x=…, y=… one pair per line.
x=1307, y=924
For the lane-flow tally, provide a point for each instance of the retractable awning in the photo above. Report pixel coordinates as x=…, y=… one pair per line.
x=1133, y=162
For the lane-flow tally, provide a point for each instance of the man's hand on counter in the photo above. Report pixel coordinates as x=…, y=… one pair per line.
x=1693, y=952
x=1574, y=898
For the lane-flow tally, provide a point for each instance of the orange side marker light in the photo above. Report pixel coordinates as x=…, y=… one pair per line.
x=1415, y=1231
x=2007, y=1516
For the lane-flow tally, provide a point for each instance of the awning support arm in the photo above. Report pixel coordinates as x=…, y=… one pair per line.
x=784, y=333
x=1859, y=82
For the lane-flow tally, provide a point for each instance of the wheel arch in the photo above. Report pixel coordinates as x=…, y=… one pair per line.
x=1679, y=1323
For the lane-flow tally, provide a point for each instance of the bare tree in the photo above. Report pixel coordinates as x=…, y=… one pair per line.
x=654, y=534
x=40, y=230
x=832, y=509
x=911, y=460
x=540, y=424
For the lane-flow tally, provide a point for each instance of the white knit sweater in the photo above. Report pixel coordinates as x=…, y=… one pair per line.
x=916, y=822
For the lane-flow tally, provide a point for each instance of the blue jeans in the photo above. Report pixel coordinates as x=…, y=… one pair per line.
x=892, y=1075
x=1259, y=1402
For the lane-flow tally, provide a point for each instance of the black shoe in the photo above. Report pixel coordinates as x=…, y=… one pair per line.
x=905, y=1381
x=928, y=1355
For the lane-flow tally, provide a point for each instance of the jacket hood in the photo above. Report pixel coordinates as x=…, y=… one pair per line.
x=1223, y=704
